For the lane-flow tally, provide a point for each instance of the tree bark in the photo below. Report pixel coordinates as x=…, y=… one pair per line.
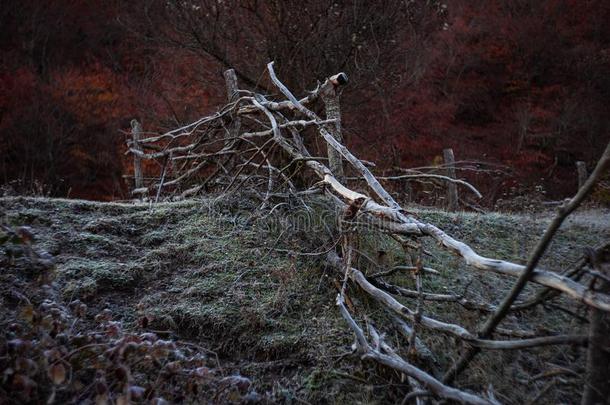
x=232, y=95
x=333, y=111
x=597, y=383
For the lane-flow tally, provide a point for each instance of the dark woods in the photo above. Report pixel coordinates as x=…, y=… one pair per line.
x=520, y=83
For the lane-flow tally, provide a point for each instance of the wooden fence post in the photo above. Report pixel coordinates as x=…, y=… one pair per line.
x=232, y=95
x=452, y=195
x=581, y=168
x=136, y=131
x=330, y=97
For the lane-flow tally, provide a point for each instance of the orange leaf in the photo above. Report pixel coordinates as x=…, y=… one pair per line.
x=57, y=374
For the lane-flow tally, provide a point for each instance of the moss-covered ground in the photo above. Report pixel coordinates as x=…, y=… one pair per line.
x=248, y=286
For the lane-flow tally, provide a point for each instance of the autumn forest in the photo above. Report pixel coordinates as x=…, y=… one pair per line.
x=305, y=202
x=522, y=84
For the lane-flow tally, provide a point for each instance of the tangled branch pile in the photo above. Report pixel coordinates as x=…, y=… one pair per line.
x=258, y=144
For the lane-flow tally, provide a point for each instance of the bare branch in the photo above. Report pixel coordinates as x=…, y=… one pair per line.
x=397, y=363
x=434, y=176
x=528, y=272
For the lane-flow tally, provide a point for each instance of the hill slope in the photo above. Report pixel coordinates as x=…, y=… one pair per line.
x=210, y=273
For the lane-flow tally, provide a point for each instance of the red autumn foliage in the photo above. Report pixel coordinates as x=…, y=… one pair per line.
x=520, y=83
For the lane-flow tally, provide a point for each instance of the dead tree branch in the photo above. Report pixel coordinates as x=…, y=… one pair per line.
x=528, y=272
x=259, y=143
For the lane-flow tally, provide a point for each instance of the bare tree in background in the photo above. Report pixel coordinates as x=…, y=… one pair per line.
x=374, y=42
x=309, y=38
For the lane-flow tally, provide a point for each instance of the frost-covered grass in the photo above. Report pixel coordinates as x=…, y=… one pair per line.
x=209, y=271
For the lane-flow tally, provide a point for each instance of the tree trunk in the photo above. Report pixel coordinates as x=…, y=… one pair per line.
x=597, y=383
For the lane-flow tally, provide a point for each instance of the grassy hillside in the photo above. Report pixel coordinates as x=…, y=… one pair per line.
x=246, y=286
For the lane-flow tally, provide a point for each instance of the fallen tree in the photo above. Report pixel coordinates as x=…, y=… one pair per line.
x=259, y=144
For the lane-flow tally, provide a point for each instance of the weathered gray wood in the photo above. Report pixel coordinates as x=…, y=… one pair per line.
x=581, y=168
x=392, y=218
x=232, y=95
x=528, y=273
x=393, y=360
x=231, y=82
x=330, y=97
x=136, y=132
x=386, y=214
x=597, y=386
x=372, y=181
x=452, y=195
